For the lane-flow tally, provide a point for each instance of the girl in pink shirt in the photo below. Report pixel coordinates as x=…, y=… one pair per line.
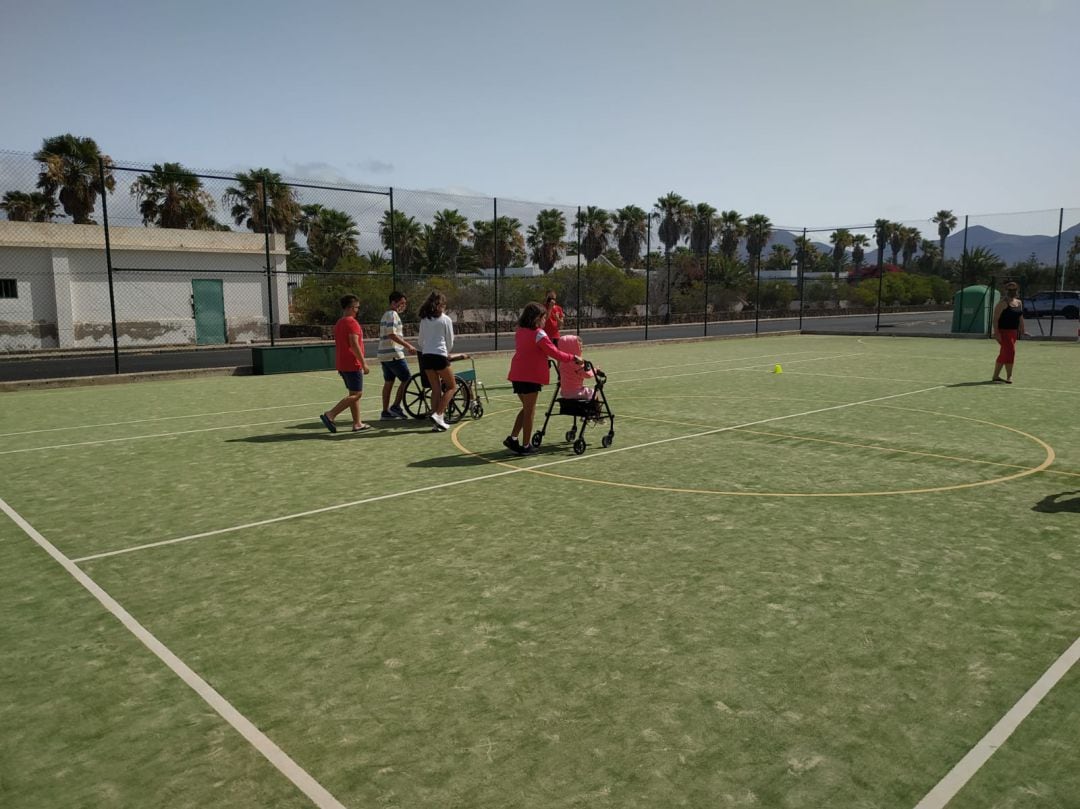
x=571, y=375
x=529, y=372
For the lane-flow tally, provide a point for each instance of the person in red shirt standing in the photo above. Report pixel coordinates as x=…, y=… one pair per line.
x=554, y=318
x=350, y=363
x=529, y=372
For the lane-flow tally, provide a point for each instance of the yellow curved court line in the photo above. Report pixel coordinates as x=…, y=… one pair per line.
x=1049, y=459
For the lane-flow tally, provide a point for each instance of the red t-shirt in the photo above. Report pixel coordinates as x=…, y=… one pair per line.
x=344, y=359
x=551, y=324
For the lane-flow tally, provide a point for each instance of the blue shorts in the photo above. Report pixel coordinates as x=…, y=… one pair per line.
x=354, y=380
x=396, y=369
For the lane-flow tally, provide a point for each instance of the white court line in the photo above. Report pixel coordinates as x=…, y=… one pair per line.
x=165, y=418
x=958, y=776
x=255, y=737
x=504, y=473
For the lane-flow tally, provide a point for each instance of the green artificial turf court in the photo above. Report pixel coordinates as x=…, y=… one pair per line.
x=817, y=588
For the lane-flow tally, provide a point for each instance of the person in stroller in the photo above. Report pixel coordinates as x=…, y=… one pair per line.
x=572, y=375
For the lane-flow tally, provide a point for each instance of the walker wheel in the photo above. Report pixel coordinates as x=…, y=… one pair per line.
x=579, y=446
x=605, y=442
x=571, y=435
x=538, y=438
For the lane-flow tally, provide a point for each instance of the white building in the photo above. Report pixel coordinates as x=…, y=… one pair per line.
x=171, y=287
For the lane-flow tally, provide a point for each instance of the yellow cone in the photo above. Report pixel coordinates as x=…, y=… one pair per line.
x=777, y=369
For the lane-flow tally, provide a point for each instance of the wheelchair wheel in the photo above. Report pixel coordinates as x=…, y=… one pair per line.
x=579, y=446
x=605, y=442
x=477, y=409
x=417, y=398
x=571, y=435
x=459, y=405
x=537, y=439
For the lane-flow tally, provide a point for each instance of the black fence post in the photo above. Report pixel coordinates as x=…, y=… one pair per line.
x=393, y=244
x=800, y=257
x=964, y=257
x=269, y=276
x=495, y=252
x=880, y=288
x=757, y=295
x=648, y=267
x=708, y=249
x=108, y=263
x=579, y=270
x=1057, y=271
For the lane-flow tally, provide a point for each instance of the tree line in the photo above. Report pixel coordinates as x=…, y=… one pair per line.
x=75, y=172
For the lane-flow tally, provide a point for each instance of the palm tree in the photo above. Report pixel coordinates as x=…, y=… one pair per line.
x=758, y=233
x=731, y=230
x=445, y=239
x=545, y=238
x=930, y=259
x=70, y=165
x=882, y=230
x=594, y=225
x=629, y=231
x=702, y=229
x=945, y=223
x=840, y=240
x=32, y=207
x=858, y=251
x=910, y=238
x=983, y=264
x=510, y=248
x=676, y=214
x=170, y=196
x=331, y=235
x=779, y=258
x=246, y=199
x=376, y=259
x=404, y=240
x=896, y=239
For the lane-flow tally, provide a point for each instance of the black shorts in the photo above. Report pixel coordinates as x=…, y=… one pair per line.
x=434, y=362
x=526, y=387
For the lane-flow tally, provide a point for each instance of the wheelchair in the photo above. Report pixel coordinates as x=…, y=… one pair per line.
x=466, y=401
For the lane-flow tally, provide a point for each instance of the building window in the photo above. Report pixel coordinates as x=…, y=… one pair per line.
x=9, y=288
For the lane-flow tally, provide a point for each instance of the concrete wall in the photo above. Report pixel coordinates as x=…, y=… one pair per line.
x=63, y=292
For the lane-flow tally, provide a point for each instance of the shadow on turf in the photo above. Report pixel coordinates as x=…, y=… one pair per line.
x=1054, y=504
x=379, y=429
x=972, y=384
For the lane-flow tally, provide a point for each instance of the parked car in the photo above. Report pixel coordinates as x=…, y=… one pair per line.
x=1065, y=303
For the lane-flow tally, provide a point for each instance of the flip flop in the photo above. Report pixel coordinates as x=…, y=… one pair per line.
x=329, y=425
x=361, y=428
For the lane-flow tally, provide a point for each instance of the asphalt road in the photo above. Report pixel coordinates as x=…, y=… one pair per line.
x=62, y=366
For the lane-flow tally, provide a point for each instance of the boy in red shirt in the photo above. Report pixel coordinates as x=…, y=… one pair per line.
x=350, y=363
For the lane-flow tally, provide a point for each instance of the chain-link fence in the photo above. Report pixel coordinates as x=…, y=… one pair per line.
x=97, y=256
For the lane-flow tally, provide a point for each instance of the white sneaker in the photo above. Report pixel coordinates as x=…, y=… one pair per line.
x=439, y=423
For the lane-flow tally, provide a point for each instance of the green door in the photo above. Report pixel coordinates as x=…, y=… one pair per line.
x=208, y=304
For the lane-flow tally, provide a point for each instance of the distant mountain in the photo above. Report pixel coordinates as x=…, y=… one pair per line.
x=1010, y=248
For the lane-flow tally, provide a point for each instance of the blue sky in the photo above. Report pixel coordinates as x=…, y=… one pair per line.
x=816, y=113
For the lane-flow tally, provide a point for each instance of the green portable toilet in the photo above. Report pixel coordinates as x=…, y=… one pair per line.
x=972, y=307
